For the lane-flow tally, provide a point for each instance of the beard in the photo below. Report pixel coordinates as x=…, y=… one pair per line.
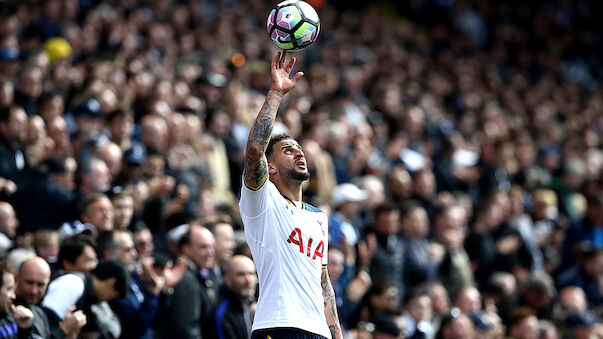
x=290, y=173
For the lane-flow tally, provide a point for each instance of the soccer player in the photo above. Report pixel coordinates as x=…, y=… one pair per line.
x=287, y=237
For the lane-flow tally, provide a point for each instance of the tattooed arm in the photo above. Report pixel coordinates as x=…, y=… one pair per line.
x=330, y=305
x=256, y=164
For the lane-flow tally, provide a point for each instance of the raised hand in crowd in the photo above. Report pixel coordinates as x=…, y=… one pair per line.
x=23, y=316
x=73, y=322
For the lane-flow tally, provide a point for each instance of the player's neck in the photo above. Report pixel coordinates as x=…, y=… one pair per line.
x=291, y=190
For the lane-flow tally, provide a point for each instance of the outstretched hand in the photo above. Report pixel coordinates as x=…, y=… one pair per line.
x=280, y=73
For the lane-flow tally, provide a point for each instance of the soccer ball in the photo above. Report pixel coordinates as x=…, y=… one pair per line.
x=293, y=25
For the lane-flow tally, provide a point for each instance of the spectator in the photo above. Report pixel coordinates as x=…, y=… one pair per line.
x=111, y=155
x=225, y=241
x=421, y=257
x=109, y=280
x=38, y=145
x=386, y=328
x=586, y=275
x=440, y=302
x=346, y=200
x=388, y=259
x=417, y=315
x=143, y=239
x=97, y=211
x=137, y=309
x=29, y=89
x=571, y=299
x=13, y=131
x=123, y=208
x=234, y=312
x=121, y=126
x=93, y=176
x=451, y=229
x=18, y=322
x=8, y=226
x=56, y=128
x=77, y=254
x=153, y=132
x=46, y=245
x=382, y=299
x=456, y=325
x=469, y=300
x=131, y=168
x=588, y=229
x=537, y=294
x=523, y=324
x=31, y=284
x=191, y=302
x=349, y=289
x=579, y=325
x=46, y=201
x=424, y=188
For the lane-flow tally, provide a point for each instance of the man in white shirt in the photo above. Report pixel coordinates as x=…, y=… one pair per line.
x=288, y=238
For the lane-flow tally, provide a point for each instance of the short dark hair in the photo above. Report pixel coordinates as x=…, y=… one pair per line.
x=105, y=241
x=111, y=268
x=417, y=292
x=518, y=314
x=89, y=200
x=408, y=206
x=275, y=139
x=5, y=112
x=385, y=207
x=72, y=247
x=379, y=286
x=54, y=164
x=119, y=113
x=4, y=268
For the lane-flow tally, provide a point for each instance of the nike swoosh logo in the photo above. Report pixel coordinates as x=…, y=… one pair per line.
x=279, y=39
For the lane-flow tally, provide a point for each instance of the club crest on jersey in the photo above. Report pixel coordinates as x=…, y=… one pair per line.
x=295, y=238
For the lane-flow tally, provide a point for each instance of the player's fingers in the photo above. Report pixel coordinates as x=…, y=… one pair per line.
x=290, y=65
x=275, y=60
x=298, y=76
x=283, y=58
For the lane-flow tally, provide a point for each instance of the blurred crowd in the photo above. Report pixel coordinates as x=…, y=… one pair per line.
x=455, y=144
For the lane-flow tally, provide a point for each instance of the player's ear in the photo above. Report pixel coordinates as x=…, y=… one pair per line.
x=271, y=168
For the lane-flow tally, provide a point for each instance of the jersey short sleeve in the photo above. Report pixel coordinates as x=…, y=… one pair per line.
x=253, y=202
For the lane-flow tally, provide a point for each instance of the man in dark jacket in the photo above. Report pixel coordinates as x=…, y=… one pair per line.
x=138, y=308
x=193, y=298
x=46, y=200
x=234, y=315
x=388, y=260
x=13, y=131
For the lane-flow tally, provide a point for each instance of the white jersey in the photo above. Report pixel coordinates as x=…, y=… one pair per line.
x=289, y=248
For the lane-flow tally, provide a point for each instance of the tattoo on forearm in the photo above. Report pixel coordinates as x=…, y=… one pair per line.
x=255, y=168
x=330, y=306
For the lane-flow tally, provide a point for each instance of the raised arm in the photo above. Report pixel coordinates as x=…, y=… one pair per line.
x=256, y=164
x=330, y=305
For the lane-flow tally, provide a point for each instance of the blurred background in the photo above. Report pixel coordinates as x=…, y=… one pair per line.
x=456, y=145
